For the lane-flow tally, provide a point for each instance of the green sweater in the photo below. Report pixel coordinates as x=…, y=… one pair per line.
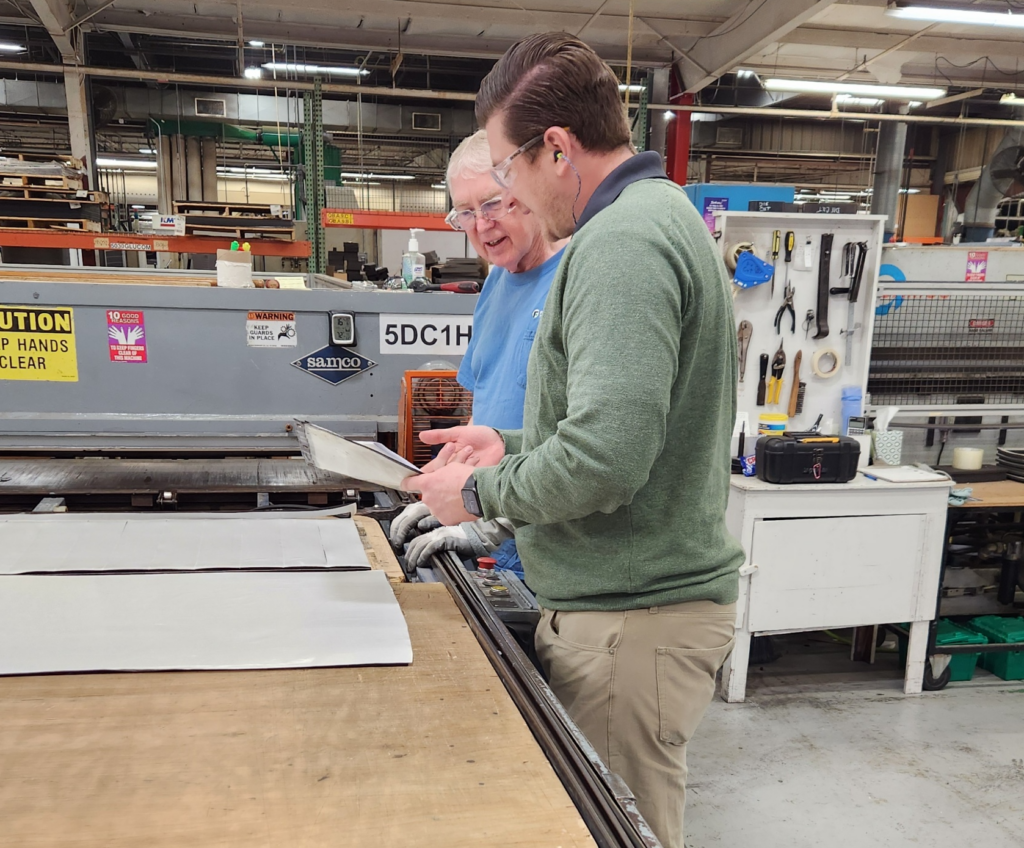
x=619, y=479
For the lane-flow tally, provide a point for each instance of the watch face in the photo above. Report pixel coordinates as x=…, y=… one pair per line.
x=343, y=328
x=470, y=501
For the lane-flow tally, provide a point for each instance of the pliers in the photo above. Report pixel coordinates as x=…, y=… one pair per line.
x=787, y=305
x=775, y=383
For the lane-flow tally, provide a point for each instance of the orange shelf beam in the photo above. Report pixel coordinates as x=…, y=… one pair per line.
x=160, y=244
x=362, y=220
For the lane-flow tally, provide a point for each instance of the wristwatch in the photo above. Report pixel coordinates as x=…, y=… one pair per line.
x=470, y=498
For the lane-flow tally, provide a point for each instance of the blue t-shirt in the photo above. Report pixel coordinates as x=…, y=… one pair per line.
x=504, y=325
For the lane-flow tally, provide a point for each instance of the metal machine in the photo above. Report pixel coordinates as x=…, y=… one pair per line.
x=186, y=368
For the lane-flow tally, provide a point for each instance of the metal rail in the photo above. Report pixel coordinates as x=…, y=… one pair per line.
x=603, y=800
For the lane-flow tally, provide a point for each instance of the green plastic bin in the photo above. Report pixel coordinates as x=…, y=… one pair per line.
x=961, y=666
x=1009, y=665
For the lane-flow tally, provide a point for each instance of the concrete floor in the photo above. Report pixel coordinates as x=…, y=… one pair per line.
x=826, y=752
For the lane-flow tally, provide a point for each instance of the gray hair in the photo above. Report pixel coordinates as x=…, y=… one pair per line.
x=471, y=158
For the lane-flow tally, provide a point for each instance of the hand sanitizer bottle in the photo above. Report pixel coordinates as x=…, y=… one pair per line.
x=413, y=262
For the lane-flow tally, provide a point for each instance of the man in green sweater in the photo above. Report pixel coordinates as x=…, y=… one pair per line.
x=619, y=479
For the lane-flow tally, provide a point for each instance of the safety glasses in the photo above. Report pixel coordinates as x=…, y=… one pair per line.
x=502, y=173
x=492, y=210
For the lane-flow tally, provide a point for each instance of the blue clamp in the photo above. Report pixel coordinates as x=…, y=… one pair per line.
x=751, y=271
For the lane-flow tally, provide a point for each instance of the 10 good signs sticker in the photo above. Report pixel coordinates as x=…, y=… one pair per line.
x=38, y=344
x=126, y=335
x=271, y=329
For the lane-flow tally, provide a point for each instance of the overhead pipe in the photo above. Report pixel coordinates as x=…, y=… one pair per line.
x=892, y=142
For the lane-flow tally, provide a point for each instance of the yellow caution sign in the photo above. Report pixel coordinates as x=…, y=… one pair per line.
x=38, y=343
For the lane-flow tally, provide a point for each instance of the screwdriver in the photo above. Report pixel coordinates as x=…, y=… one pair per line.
x=776, y=243
x=789, y=244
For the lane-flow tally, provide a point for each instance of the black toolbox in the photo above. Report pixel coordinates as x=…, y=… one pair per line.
x=807, y=458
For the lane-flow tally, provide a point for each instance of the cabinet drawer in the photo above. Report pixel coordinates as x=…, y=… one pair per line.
x=814, y=573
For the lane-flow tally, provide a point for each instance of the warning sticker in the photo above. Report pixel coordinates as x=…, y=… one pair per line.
x=271, y=329
x=38, y=344
x=126, y=335
x=977, y=266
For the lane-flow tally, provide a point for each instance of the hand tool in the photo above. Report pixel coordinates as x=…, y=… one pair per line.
x=762, y=387
x=796, y=395
x=808, y=322
x=776, y=244
x=737, y=461
x=743, y=334
x=853, y=271
x=778, y=369
x=787, y=306
x=824, y=268
x=788, y=243
x=466, y=287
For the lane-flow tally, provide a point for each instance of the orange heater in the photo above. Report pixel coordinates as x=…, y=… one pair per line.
x=431, y=400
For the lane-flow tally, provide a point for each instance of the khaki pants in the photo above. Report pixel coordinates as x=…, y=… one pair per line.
x=638, y=683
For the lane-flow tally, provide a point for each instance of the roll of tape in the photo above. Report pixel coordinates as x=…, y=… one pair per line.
x=824, y=353
x=968, y=459
x=733, y=251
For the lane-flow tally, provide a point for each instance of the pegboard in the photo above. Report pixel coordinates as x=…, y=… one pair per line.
x=759, y=306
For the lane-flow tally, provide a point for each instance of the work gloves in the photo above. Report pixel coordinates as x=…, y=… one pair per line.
x=422, y=536
x=414, y=520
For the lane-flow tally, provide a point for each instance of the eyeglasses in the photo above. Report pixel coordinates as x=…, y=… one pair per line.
x=492, y=210
x=500, y=172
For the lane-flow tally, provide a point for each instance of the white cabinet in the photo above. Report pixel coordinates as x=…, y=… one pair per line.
x=827, y=556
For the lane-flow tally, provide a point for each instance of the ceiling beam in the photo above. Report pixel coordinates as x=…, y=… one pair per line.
x=953, y=45
x=748, y=32
x=823, y=115
x=953, y=98
x=56, y=17
x=240, y=83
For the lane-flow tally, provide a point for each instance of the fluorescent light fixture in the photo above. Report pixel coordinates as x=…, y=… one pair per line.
x=333, y=70
x=253, y=73
x=347, y=175
x=633, y=89
x=885, y=92
x=257, y=44
x=742, y=73
x=953, y=15
x=439, y=186
x=147, y=151
x=127, y=164
x=1012, y=99
x=137, y=207
x=7, y=47
x=242, y=172
x=850, y=100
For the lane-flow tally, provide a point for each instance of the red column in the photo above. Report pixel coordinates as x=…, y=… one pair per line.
x=677, y=140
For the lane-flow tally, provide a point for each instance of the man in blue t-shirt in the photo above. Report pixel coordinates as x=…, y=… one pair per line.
x=505, y=321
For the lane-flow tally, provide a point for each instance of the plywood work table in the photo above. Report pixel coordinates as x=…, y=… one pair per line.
x=1002, y=493
x=432, y=754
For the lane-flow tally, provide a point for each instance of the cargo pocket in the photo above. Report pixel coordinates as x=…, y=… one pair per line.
x=686, y=685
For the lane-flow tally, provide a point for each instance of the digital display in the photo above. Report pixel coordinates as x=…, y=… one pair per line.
x=343, y=328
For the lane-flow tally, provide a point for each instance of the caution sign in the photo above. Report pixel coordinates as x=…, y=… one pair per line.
x=271, y=329
x=38, y=344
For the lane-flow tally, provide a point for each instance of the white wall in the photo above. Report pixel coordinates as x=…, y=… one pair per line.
x=448, y=245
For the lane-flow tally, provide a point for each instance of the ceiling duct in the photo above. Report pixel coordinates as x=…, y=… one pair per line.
x=1004, y=170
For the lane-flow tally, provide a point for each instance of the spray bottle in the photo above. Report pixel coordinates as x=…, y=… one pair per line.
x=413, y=262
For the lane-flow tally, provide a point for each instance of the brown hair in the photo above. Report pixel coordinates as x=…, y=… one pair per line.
x=554, y=79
